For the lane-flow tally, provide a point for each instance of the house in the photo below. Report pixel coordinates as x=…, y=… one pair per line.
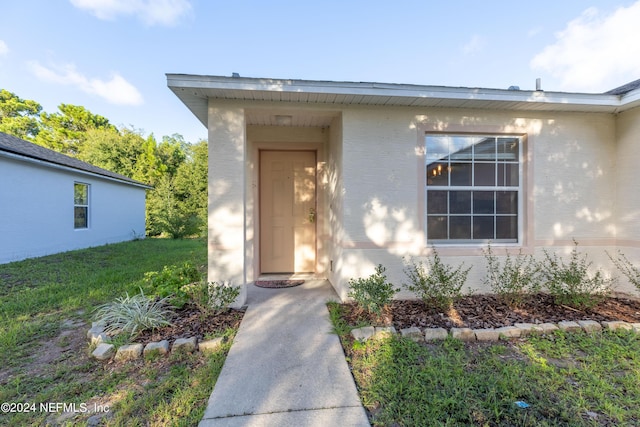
x=333, y=178
x=53, y=203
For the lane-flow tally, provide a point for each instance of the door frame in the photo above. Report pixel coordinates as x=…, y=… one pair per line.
x=260, y=207
x=282, y=143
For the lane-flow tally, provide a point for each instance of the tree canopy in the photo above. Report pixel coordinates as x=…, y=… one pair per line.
x=177, y=205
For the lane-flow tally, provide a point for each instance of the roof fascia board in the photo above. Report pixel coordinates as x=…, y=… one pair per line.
x=614, y=102
x=630, y=100
x=51, y=165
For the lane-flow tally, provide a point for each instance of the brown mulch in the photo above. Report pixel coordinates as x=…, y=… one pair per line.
x=474, y=311
x=188, y=322
x=487, y=311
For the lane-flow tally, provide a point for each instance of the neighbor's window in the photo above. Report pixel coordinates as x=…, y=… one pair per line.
x=474, y=188
x=80, y=205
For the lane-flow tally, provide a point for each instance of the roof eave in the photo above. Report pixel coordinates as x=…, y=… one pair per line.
x=195, y=90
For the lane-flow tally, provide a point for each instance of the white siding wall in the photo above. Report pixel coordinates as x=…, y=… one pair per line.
x=36, y=211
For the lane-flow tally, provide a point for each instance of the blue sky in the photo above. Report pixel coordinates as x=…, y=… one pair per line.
x=111, y=56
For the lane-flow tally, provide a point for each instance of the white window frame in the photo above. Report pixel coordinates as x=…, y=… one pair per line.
x=79, y=204
x=519, y=189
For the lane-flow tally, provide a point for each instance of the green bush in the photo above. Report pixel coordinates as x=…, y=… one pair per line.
x=132, y=315
x=438, y=284
x=570, y=283
x=372, y=293
x=513, y=279
x=211, y=298
x=630, y=271
x=169, y=282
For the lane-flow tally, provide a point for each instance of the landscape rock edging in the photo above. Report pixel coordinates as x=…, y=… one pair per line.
x=494, y=334
x=106, y=351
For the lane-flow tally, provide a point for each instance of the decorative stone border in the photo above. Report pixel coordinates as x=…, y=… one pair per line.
x=492, y=334
x=106, y=351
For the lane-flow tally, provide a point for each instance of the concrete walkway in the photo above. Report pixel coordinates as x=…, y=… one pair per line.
x=285, y=367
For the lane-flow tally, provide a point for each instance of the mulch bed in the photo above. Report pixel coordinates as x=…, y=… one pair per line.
x=474, y=311
x=188, y=322
x=487, y=311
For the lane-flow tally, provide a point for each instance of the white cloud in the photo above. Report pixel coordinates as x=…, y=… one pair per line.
x=151, y=12
x=475, y=44
x=595, y=52
x=4, y=49
x=115, y=90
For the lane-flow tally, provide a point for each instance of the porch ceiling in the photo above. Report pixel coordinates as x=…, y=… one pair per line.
x=195, y=90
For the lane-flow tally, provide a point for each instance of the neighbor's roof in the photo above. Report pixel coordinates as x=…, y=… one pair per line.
x=25, y=149
x=195, y=90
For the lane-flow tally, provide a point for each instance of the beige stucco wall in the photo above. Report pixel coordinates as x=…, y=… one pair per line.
x=578, y=178
x=627, y=194
x=226, y=228
x=570, y=182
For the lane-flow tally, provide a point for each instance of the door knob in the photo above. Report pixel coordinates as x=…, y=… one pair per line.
x=312, y=215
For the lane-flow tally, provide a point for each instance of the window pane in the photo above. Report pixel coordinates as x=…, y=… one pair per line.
x=460, y=227
x=507, y=227
x=437, y=174
x=80, y=194
x=460, y=202
x=483, y=202
x=80, y=217
x=508, y=149
x=484, y=174
x=437, y=147
x=507, y=202
x=508, y=174
x=437, y=227
x=485, y=149
x=483, y=227
x=461, y=174
x=437, y=202
x=461, y=147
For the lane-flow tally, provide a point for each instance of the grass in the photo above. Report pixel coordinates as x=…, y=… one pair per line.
x=575, y=379
x=46, y=305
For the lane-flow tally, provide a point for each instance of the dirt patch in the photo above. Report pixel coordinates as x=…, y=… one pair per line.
x=488, y=311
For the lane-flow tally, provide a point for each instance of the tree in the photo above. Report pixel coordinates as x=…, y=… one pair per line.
x=116, y=150
x=19, y=117
x=191, y=182
x=66, y=131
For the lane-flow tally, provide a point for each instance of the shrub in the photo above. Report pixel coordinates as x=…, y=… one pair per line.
x=132, y=315
x=570, y=284
x=439, y=284
x=169, y=281
x=211, y=298
x=512, y=280
x=373, y=293
x=631, y=272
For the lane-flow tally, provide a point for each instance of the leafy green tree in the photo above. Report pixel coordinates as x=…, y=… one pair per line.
x=167, y=214
x=19, y=117
x=191, y=182
x=116, y=150
x=66, y=131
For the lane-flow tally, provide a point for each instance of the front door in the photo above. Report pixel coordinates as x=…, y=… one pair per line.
x=287, y=211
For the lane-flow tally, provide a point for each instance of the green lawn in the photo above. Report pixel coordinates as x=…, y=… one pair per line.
x=46, y=306
x=567, y=379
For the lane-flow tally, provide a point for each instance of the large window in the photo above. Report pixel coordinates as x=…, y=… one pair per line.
x=80, y=205
x=473, y=188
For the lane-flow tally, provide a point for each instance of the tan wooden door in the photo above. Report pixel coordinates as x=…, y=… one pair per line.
x=287, y=211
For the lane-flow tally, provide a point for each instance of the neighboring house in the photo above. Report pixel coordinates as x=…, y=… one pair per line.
x=333, y=178
x=53, y=203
